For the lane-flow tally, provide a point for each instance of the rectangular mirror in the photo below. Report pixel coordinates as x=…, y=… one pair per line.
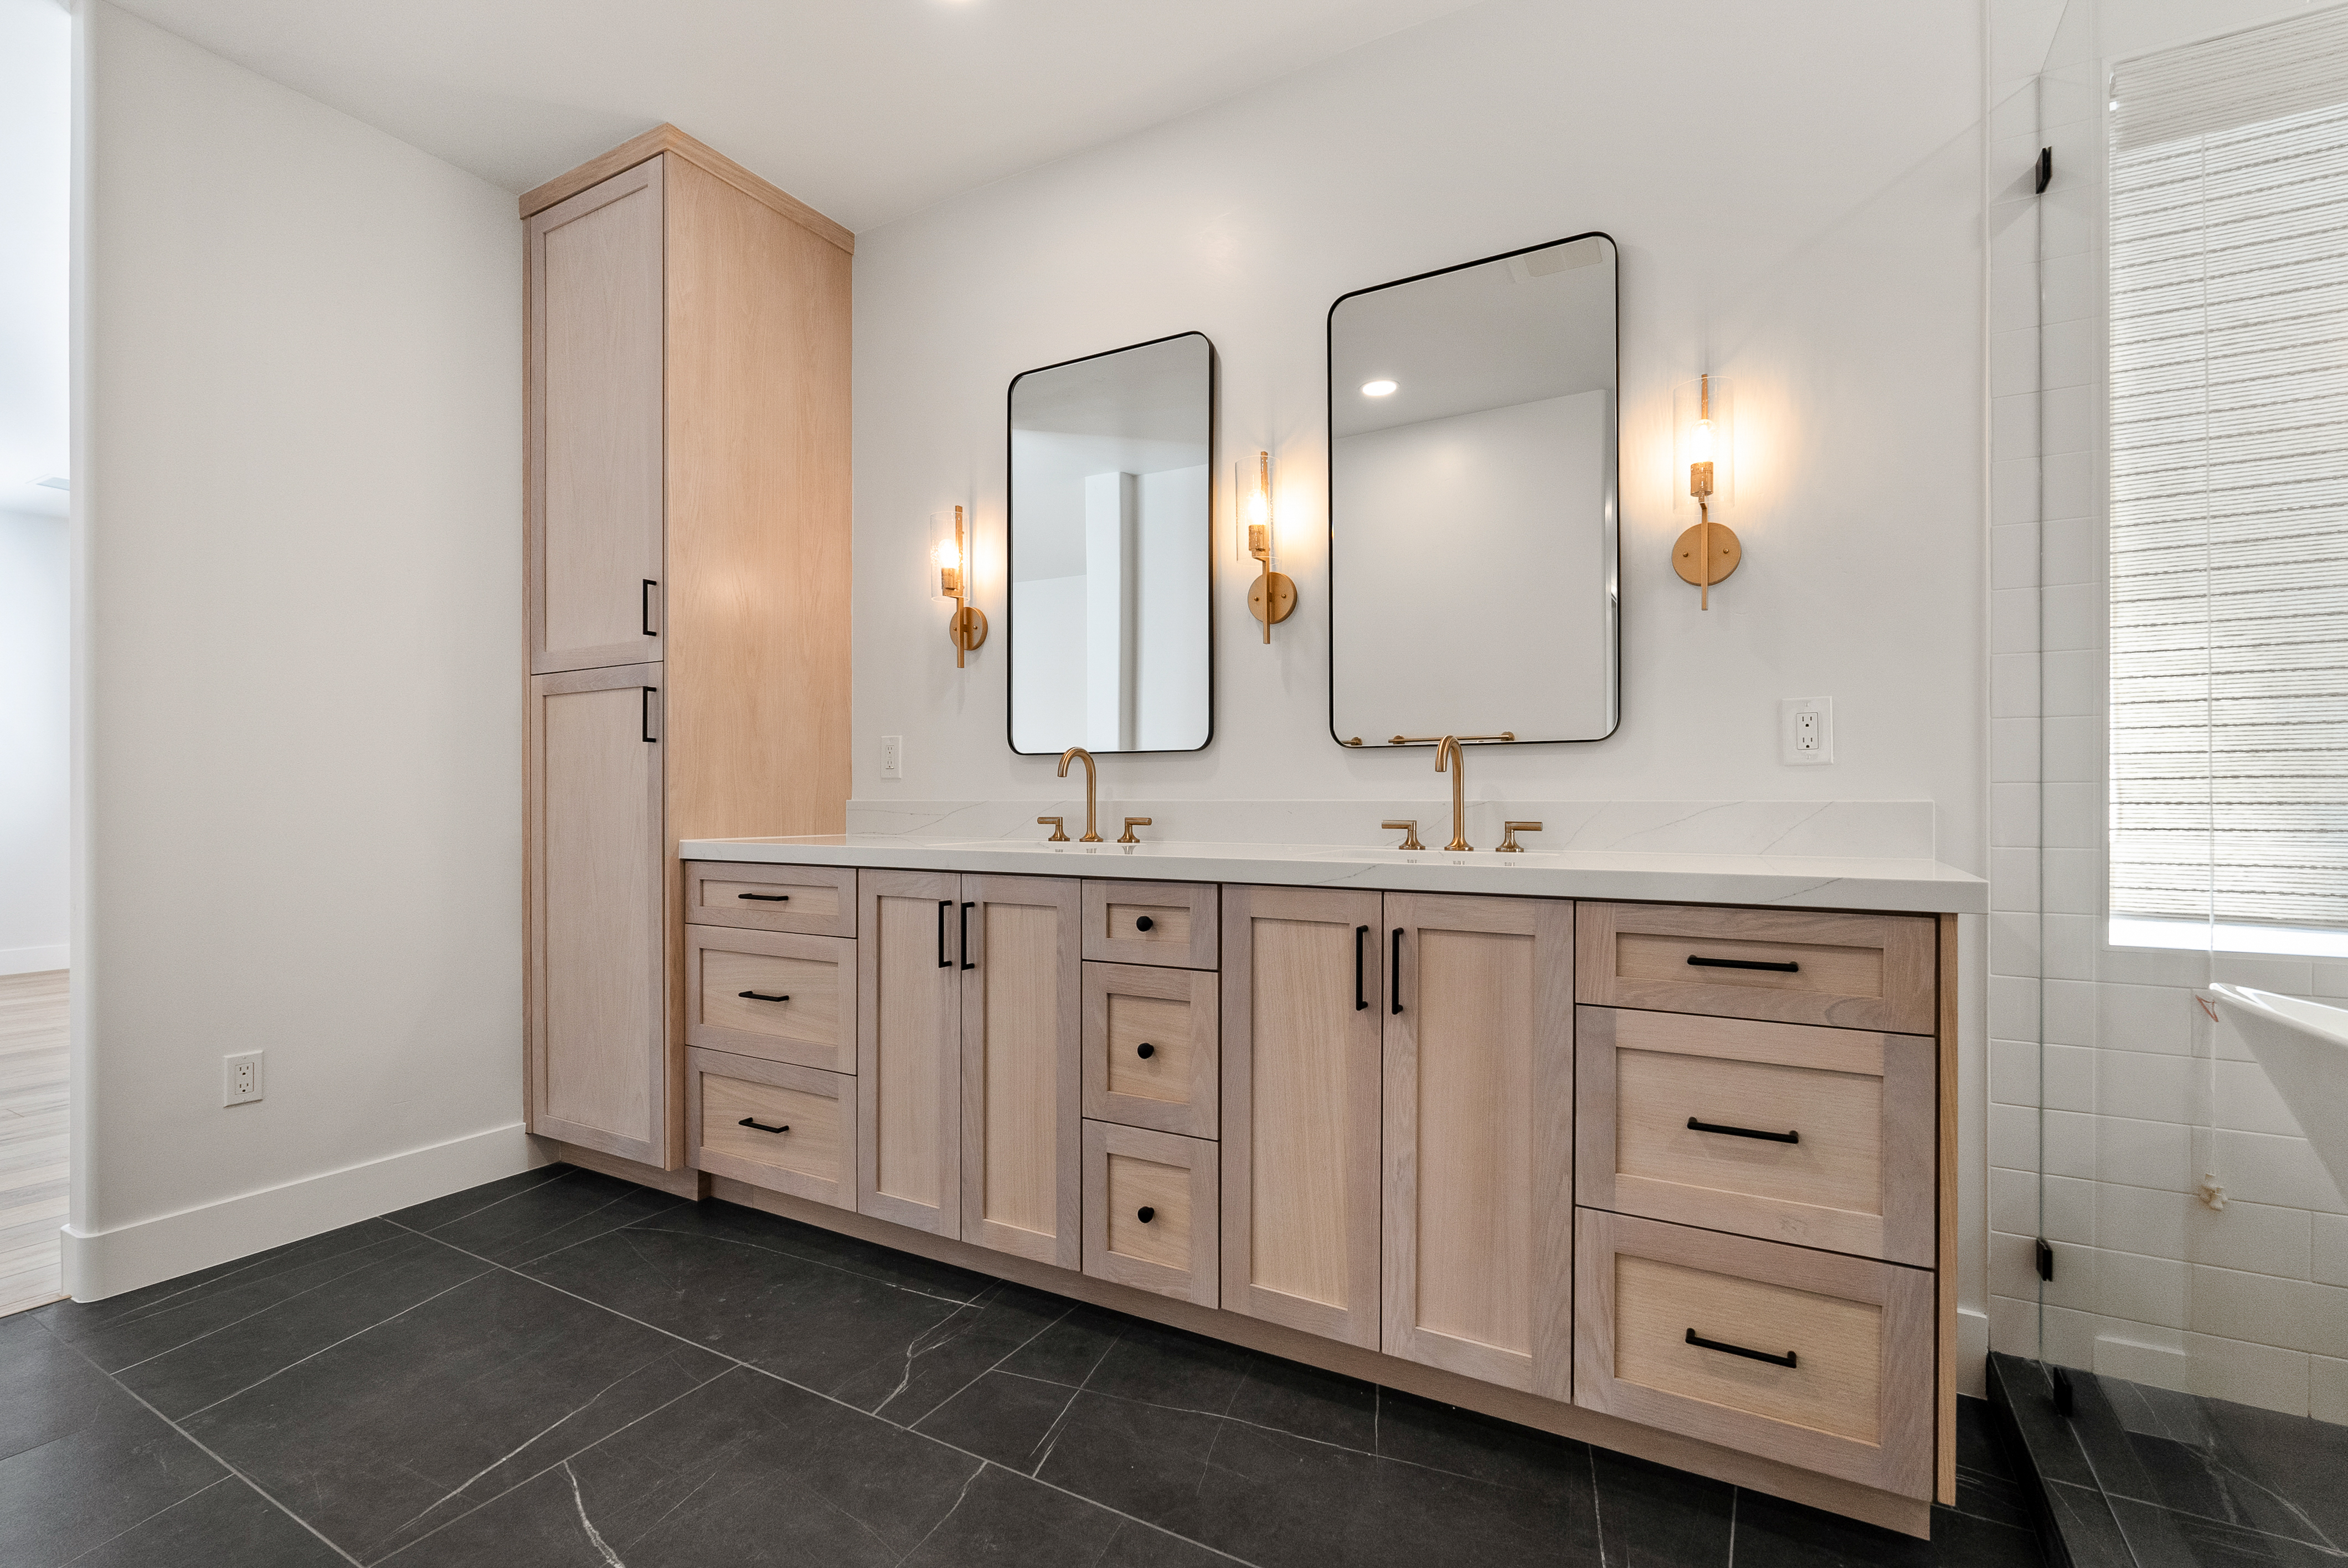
x=1472, y=555
x=1112, y=551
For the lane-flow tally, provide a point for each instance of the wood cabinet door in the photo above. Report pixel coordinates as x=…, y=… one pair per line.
x=1478, y=1207
x=1302, y=973
x=1021, y=943
x=598, y=1008
x=596, y=489
x=909, y=1049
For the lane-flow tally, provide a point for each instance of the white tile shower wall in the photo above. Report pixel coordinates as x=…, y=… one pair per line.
x=2143, y=1099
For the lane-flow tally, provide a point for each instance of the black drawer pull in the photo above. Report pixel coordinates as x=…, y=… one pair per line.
x=1696, y=1126
x=1145, y=1050
x=766, y=897
x=966, y=938
x=1360, y=1001
x=1789, y=968
x=1144, y=923
x=943, y=905
x=1395, y=969
x=761, y=1126
x=1702, y=1343
x=1144, y=1214
x=763, y=997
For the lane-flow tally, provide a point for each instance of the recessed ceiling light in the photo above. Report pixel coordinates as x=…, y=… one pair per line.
x=1377, y=388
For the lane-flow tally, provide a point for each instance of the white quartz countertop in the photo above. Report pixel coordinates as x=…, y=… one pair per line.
x=1805, y=882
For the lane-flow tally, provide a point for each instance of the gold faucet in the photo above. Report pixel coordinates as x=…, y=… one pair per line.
x=1448, y=749
x=1092, y=781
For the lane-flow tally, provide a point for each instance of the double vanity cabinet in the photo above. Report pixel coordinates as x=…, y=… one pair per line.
x=1670, y=1177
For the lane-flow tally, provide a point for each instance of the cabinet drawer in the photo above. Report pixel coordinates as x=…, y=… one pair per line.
x=1808, y=1358
x=819, y=900
x=1152, y=922
x=1820, y=1137
x=1852, y=972
x=787, y=1128
x=1151, y=1211
x=771, y=994
x=1151, y=1047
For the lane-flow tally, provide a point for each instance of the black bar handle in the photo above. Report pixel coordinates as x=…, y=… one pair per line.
x=1395, y=977
x=943, y=905
x=1789, y=968
x=766, y=897
x=650, y=739
x=1144, y=1214
x=966, y=938
x=1360, y=1001
x=762, y=997
x=1696, y=1126
x=649, y=585
x=761, y=1126
x=1702, y=1343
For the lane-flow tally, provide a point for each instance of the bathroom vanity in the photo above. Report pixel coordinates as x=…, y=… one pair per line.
x=1651, y=1151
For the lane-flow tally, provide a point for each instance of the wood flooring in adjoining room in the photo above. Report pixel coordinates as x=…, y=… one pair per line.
x=32, y=1136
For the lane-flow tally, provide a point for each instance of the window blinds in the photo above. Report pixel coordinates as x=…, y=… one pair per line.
x=2230, y=490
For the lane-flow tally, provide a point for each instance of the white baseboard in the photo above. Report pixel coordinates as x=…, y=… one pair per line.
x=32, y=960
x=107, y=1262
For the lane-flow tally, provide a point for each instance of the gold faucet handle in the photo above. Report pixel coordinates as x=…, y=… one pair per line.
x=1409, y=829
x=1130, y=824
x=1059, y=833
x=1508, y=844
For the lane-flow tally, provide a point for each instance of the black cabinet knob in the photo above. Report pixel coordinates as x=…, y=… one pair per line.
x=1144, y=923
x=1145, y=1050
x=1144, y=1214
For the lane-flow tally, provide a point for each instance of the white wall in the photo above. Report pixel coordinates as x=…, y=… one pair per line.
x=33, y=742
x=298, y=721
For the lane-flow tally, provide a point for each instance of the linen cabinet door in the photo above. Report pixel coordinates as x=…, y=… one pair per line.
x=595, y=443
x=598, y=1005
x=1303, y=970
x=1479, y=1138
x=1021, y=941
x=909, y=1049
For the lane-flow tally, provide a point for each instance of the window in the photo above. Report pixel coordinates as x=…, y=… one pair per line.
x=2228, y=715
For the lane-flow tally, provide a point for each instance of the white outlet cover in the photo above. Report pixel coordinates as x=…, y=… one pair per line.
x=1806, y=731
x=892, y=756
x=235, y=1087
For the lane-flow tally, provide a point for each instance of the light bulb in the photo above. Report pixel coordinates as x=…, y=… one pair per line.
x=1699, y=442
x=1377, y=388
x=1259, y=510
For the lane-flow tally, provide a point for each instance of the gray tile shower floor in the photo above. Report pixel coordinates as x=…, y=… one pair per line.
x=559, y=1368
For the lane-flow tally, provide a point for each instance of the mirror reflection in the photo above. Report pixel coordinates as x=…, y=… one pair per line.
x=1472, y=562
x=1110, y=546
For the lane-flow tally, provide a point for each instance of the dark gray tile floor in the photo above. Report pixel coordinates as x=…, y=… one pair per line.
x=559, y=1368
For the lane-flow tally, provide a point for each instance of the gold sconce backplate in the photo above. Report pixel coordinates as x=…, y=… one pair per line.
x=1725, y=554
x=1278, y=589
x=967, y=628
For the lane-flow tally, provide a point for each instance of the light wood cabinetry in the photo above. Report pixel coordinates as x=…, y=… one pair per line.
x=909, y=1049
x=1478, y=1248
x=1151, y=1047
x=787, y=1128
x=1151, y=1211
x=1852, y=972
x=773, y=994
x=687, y=548
x=1303, y=970
x=813, y=900
x=1021, y=969
x=1168, y=923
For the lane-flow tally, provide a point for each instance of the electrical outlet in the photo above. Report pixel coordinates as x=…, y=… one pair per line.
x=1806, y=731
x=241, y=1078
x=892, y=756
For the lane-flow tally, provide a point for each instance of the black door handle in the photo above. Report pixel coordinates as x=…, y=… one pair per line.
x=649, y=585
x=762, y=997
x=766, y=897
x=1702, y=1343
x=1144, y=923
x=1784, y=968
x=1144, y=1214
x=649, y=737
x=966, y=938
x=1394, y=979
x=761, y=1126
x=943, y=905
x=1360, y=1001
x=1696, y=1126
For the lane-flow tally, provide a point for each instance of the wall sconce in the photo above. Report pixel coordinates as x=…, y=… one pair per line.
x=1272, y=596
x=950, y=553
x=1703, y=460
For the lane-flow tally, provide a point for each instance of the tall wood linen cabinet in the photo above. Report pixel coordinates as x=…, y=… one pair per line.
x=688, y=559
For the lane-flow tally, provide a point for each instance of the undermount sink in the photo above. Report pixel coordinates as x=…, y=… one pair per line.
x=2303, y=1046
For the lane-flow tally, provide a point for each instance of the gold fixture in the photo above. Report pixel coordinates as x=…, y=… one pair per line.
x=966, y=627
x=1130, y=824
x=1409, y=827
x=1059, y=833
x=1708, y=552
x=1449, y=747
x=1430, y=740
x=1508, y=844
x=1272, y=596
x=1092, y=780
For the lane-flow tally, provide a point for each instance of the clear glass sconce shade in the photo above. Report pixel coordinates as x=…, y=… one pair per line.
x=946, y=554
x=1250, y=504
x=1703, y=431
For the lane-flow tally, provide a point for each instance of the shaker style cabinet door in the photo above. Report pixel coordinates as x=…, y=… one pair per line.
x=1303, y=970
x=1020, y=942
x=909, y=1049
x=1479, y=1138
x=598, y=1014
x=595, y=442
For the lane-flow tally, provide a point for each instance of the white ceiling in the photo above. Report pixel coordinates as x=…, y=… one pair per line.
x=866, y=109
